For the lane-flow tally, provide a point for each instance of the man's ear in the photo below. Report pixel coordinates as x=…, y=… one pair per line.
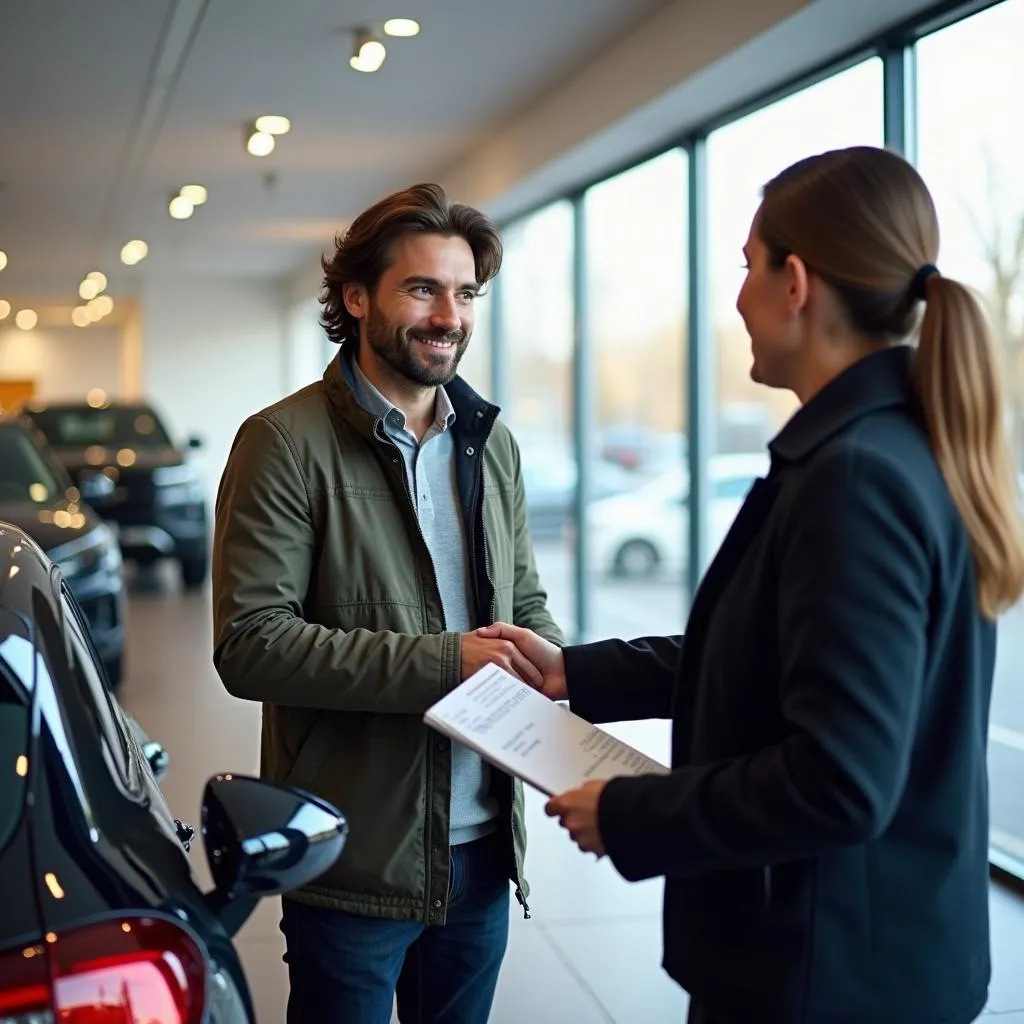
x=799, y=282
x=357, y=300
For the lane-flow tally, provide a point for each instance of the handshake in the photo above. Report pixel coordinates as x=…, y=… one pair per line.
x=520, y=652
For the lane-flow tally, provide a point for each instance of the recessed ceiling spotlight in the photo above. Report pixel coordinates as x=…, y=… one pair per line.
x=133, y=252
x=259, y=143
x=5, y=309
x=195, y=194
x=3, y=259
x=273, y=124
x=99, y=279
x=369, y=53
x=80, y=316
x=402, y=27
x=180, y=208
x=88, y=289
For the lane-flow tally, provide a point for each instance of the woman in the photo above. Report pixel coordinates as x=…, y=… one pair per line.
x=824, y=831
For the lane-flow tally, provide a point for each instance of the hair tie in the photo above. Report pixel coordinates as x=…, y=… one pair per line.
x=920, y=279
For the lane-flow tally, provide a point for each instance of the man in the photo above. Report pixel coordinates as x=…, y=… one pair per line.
x=366, y=526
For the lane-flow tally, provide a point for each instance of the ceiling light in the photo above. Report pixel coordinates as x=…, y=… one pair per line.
x=195, y=194
x=3, y=259
x=180, y=208
x=403, y=27
x=93, y=310
x=273, y=124
x=260, y=143
x=88, y=289
x=369, y=54
x=99, y=278
x=105, y=305
x=5, y=309
x=134, y=251
x=26, y=319
x=80, y=316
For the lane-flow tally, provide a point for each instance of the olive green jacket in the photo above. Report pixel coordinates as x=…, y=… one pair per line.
x=326, y=609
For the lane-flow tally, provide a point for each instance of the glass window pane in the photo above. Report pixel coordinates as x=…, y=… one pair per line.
x=538, y=326
x=636, y=236
x=475, y=367
x=844, y=110
x=970, y=80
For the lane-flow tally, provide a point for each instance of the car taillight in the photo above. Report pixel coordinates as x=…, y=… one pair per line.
x=129, y=971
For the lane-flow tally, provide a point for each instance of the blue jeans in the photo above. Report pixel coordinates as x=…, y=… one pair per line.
x=347, y=969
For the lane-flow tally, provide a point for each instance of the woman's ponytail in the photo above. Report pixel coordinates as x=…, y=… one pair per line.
x=960, y=388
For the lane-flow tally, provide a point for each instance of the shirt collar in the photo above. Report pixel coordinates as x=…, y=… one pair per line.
x=380, y=406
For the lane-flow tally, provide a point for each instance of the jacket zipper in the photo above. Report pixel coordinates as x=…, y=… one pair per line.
x=520, y=897
x=487, y=553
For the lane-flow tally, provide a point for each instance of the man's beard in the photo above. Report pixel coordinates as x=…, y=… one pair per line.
x=397, y=347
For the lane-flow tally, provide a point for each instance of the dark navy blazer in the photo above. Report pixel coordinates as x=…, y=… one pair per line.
x=824, y=832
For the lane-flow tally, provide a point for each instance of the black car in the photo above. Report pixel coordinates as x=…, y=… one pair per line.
x=127, y=467
x=103, y=919
x=37, y=495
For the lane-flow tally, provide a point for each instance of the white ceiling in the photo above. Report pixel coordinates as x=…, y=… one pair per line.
x=110, y=106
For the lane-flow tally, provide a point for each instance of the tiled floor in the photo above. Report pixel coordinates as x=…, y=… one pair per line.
x=591, y=951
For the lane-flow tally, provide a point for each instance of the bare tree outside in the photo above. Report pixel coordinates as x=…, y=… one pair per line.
x=1000, y=238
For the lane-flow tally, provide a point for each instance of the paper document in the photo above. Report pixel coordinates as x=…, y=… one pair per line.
x=515, y=727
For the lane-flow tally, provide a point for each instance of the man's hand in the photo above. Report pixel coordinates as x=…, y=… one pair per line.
x=478, y=651
x=540, y=652
x=576, y=812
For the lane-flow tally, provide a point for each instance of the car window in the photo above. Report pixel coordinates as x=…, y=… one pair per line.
x=109, y=717
x=25, y=475
x=83, y=427
x=16, y=657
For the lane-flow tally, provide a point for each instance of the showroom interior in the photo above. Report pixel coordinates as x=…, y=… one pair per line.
x=171, y=173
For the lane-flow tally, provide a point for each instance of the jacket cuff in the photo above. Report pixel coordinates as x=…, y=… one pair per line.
x=633, y=854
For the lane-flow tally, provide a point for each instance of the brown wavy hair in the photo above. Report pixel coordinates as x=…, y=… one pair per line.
x=864, y=221
x=363, y=253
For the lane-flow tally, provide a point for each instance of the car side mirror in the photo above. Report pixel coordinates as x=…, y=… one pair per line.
x=195, y=442
x=261, y=839
x=157, y=757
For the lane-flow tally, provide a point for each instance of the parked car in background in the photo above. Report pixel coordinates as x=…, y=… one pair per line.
x=641, y=449
x=37, y=495
x=124, y=462
x=644, y=532
x=549, y=480
x=103, y=919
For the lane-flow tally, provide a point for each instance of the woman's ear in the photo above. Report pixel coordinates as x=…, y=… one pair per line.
x=798, y=282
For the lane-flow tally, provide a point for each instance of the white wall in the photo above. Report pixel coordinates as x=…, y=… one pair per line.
x=308, y=350
x=212, y=353
x=64, y=362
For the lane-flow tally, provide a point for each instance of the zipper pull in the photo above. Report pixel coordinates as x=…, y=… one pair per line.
x=522, y=902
